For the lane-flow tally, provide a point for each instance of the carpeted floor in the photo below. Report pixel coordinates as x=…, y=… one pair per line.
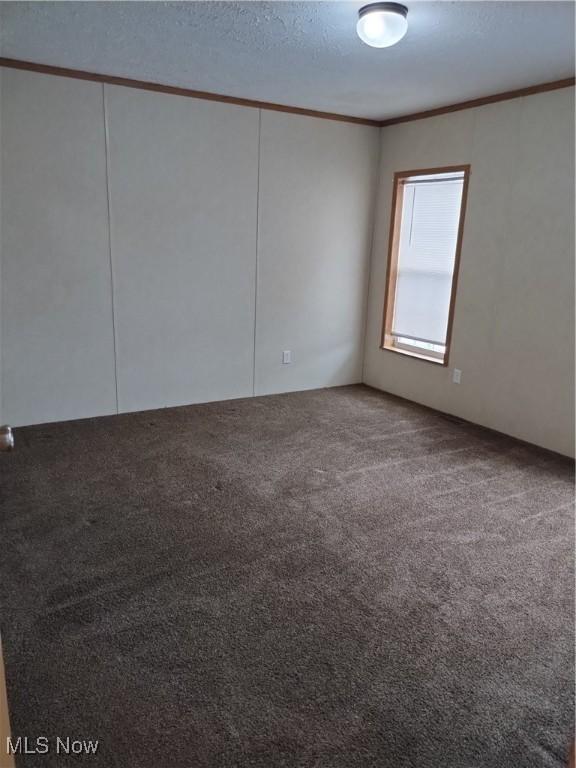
x=321, y=579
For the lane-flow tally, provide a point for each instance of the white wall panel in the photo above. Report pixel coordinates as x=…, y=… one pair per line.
x=57, y=340
x=152, y=302
x=183, y=190
x=315, y=213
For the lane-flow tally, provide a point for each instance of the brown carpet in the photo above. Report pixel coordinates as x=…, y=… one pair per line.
x=316, y=580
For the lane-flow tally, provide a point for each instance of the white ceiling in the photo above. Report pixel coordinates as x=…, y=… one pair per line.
x=303, y=54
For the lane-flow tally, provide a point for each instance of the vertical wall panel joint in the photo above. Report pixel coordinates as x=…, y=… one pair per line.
x=110, y=252
x=256, y=253
x=376, y=182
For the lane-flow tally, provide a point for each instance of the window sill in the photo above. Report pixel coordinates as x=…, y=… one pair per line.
x=417, y=355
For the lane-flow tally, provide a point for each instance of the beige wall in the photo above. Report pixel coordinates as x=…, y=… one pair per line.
x=317, y=184
x=183, y=178
x=513, y=335
x=57, y=340
x=130, y=255
x=162, y=250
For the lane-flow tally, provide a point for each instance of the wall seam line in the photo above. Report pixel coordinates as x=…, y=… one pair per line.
x=110, y=257
x=372, y=250
x=256, y=255
x=2, y=311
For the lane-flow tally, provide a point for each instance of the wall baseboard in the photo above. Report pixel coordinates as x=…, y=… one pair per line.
x=455, y=419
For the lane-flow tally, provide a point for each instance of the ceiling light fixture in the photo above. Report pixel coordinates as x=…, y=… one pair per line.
x=382, y=24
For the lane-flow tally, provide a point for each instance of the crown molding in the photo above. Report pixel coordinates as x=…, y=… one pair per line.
x=79, y=74
x=471, y=103
x=127, y=82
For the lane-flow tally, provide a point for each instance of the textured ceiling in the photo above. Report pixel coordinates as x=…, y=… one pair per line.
x=303, y=54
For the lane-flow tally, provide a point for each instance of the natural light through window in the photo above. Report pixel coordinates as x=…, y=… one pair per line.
x=425, y=238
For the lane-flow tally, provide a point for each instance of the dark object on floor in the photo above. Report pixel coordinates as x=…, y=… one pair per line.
x=6, y=438
x=320, y=579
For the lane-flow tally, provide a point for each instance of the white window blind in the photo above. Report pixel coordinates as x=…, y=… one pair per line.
x=426, y=255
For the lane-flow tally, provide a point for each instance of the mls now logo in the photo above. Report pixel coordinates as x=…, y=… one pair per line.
x=41, y=745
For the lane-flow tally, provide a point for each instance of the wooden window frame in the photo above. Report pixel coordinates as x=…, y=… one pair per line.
x=386, y=342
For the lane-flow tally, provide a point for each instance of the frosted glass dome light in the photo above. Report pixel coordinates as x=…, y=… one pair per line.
x=382, y=24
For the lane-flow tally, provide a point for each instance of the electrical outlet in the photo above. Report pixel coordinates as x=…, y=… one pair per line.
x=286, y=357
x=456, y=376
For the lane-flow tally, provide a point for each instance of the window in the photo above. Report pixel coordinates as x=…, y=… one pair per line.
x=424, y=252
